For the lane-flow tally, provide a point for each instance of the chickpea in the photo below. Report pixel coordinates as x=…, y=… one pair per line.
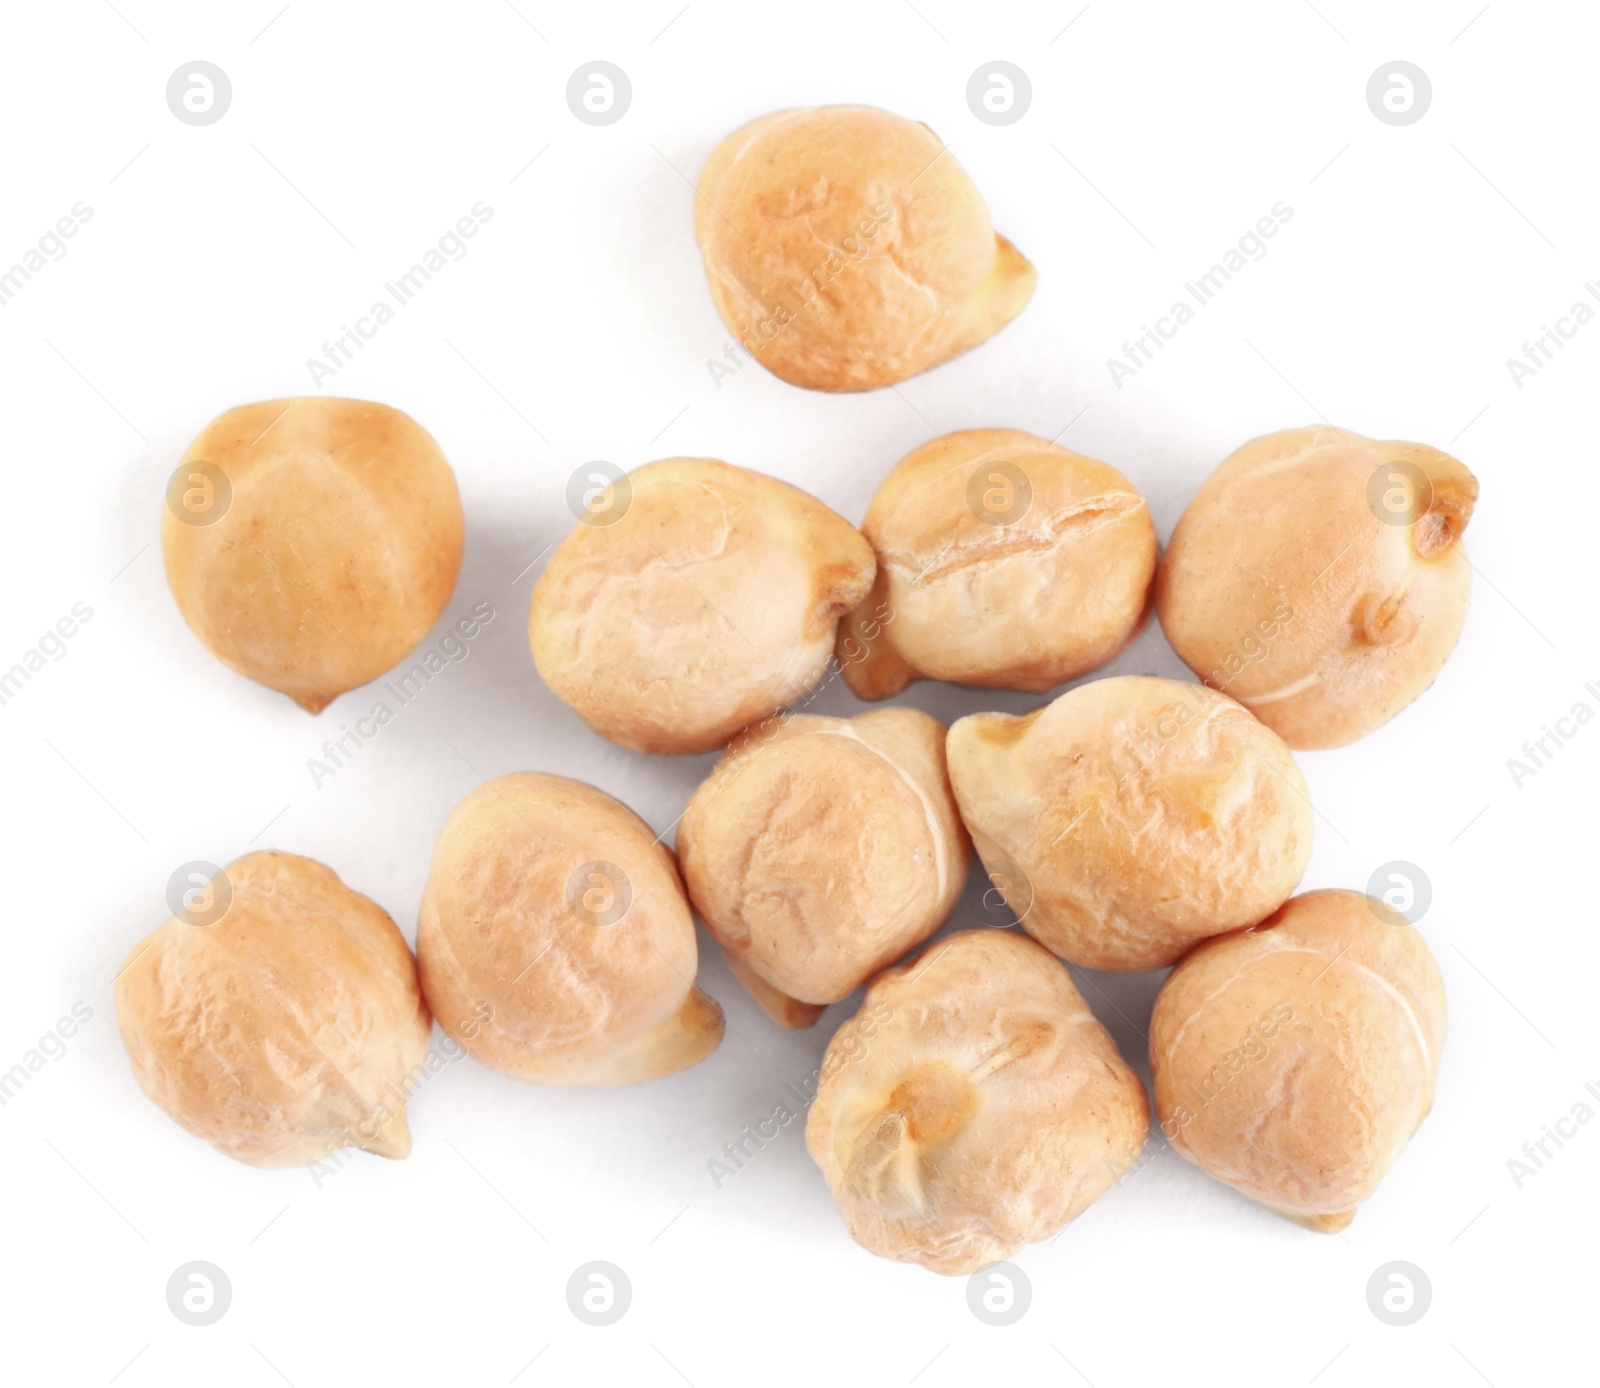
x=820, y=850
x=1003, y=560
x=972, y=1105
x=703, y=599
x=552, y=910
x=1318, y=577
x=311, y=543
x=1295, y=1059
x=846, y=248
x=1132, y=817
x=279, y=1018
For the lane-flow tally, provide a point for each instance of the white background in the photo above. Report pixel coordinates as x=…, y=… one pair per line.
x=219, y=259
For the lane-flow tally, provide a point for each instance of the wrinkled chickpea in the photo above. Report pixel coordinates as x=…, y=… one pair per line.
x=1133, y=817
x=820, y=850
x=282, y=1021
x=703, y=599
x=846, y=249
x=1294, y=1060
x=555, y=906
x=974, y=1104
x=1003, y=560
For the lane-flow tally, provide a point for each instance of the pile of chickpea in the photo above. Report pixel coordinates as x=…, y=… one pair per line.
x=1316, y=585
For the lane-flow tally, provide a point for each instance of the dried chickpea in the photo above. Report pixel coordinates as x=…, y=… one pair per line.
x=1132, y=817
x=973, y=1105
x=1318, y=577
x=1003, y=560
x=280, y=1019
x=820, y=850
x=846, y=248
x=552, y=910
x=311, y=543
x=698, y=600
x=1294, y=1060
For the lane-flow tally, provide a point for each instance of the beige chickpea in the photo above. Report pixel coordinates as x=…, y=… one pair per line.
x=278, y=1017
x=1132, y=817
x=1003, y=560
x=974, y=1104
x=702, y=599
x=1294, y=1060
x=1318, y=578
x=311, y=543
x=846, y=249
x=820, y=850
x=553, y=911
